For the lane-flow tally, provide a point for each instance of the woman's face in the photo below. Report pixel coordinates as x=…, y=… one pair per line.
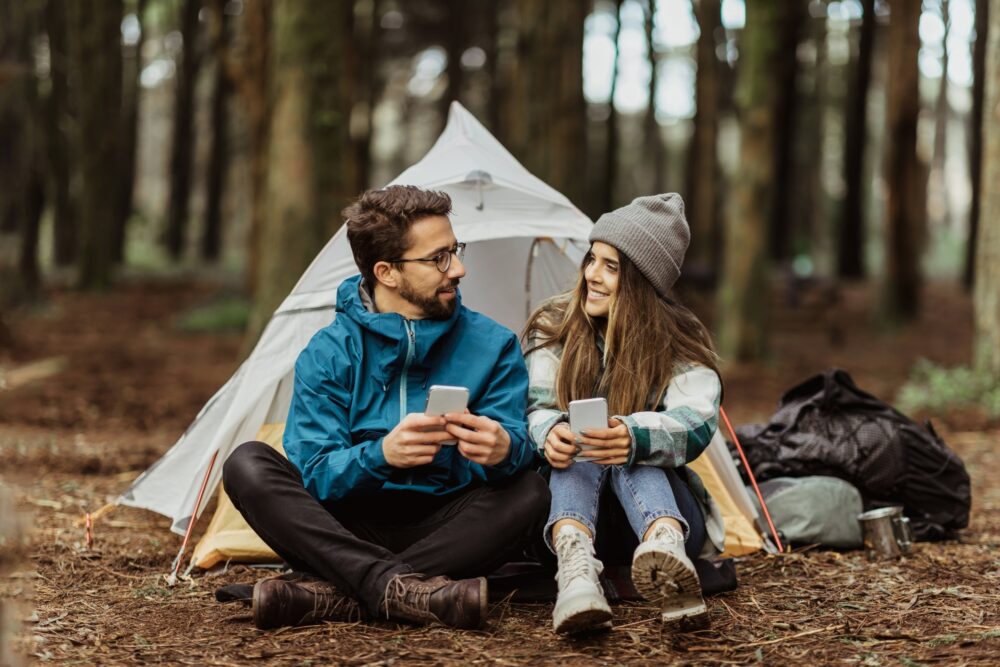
x=601, y=275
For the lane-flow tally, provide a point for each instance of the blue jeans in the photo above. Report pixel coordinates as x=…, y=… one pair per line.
x=645, y=493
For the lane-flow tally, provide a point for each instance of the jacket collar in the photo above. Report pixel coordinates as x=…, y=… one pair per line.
x=354, y=301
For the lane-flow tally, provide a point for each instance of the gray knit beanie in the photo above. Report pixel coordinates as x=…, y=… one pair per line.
x=653, y=233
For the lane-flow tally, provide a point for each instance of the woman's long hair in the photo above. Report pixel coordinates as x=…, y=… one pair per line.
x=646, y=337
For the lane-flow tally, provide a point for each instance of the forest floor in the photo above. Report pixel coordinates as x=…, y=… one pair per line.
x=101, y=385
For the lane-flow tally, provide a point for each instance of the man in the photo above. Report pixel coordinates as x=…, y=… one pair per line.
x=370, y=500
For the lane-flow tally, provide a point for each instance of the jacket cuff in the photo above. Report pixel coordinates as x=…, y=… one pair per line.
x=373, y=460
x=631, y=425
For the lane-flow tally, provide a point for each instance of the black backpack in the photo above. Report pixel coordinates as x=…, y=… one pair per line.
x=828, y=426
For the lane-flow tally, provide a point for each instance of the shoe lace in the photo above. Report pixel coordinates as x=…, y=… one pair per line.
x=573, y=550
x=327, y=605
x=411, y=598
x=667, y=533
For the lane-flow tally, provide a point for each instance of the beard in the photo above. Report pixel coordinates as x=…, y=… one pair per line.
x=431, y=306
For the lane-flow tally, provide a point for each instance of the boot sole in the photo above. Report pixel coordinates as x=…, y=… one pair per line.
x=585, y=617
x=587, y=620
x=665, y=580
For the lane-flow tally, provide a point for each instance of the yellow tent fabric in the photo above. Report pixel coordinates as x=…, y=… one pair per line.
x=229, y=538
x=741, y=536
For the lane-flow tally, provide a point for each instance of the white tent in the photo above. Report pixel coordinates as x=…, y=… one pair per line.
x=525, y=241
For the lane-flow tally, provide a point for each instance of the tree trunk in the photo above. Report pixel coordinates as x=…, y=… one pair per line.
x=743, y=292
x=544, y=115
x=786, y=112
x=59, y=119
x=130, y=124
x=610, y=163
x=806, y=198
x=703, y=167
x=850, y=255
x=21, y=136
x=986, y=294
x=942, y=114
x=903, y=172
x=976, y=137
x=309, y=170
x=365, y=65
x=651, y=128
x=182, y=143
x=454, y=37
x=98, y=82
x=218, y=159
x=253, y=82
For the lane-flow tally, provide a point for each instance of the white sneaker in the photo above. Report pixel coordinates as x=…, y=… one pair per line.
x=662, y=573
x=581, y=604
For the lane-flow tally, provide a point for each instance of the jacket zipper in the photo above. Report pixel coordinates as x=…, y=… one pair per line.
x=410, y=344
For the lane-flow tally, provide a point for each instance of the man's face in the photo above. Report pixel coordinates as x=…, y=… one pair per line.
x=432, y=293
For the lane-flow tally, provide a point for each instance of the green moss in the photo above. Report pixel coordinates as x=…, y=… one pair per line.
x=939, y=389
x=229, y=314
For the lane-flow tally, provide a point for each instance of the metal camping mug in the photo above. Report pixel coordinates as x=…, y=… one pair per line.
x=887, y=533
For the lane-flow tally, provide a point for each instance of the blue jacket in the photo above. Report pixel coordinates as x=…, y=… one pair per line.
x=358, y=377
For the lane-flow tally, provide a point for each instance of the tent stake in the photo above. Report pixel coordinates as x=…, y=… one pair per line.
x=753, y=480
x=172, y=579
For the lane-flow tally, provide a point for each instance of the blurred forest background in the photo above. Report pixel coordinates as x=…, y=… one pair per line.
x=815, y=142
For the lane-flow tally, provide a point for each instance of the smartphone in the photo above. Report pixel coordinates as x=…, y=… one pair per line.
x=442, y=400
x=590, y=413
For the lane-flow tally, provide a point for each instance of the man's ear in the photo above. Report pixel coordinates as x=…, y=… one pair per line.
x=386, y=274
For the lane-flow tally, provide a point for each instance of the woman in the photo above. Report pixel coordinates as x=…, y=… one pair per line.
x=620, y=335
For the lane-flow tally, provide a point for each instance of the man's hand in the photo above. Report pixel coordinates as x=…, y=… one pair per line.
x=480, y=439
x=415, y=441
x=607, y=446
x=559, y=446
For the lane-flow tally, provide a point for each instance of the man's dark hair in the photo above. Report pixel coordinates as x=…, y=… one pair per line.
x=379, y=221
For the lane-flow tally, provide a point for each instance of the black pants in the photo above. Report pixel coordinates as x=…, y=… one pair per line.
x=360, y=544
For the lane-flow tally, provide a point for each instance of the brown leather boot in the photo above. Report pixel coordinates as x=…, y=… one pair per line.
x=300, y=601
x=417, y=598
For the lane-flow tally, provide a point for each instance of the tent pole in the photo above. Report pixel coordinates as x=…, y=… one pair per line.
x=172, y=578
x=753, y=480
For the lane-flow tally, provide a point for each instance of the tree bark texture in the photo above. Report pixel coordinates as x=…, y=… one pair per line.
x=986, y=294
x=309, y=173
x=252, y=82
x=182, y=142
x=850, y=252
x=942, y=114
x=610, y=163
x=544, y=115
x=98, y=82
x=703, y=166
x=743, y=292
x=22, y=194
x=786, y=111
x=130, y=125
x=59, y=120
x=976, y=137
x=218, y=159
x=651, y=128
x=903, y=172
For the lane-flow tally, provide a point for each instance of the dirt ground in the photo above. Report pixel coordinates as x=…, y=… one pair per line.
x=101, y=385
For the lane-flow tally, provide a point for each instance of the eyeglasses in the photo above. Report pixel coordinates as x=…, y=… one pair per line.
x=442, y=260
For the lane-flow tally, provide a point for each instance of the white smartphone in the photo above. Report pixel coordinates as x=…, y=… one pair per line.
x=442, y=400
x=589, y=413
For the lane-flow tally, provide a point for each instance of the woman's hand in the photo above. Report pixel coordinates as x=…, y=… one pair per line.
x=559, y=446
x=607, y=446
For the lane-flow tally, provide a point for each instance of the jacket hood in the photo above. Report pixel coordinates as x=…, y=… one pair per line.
x=392, y=327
